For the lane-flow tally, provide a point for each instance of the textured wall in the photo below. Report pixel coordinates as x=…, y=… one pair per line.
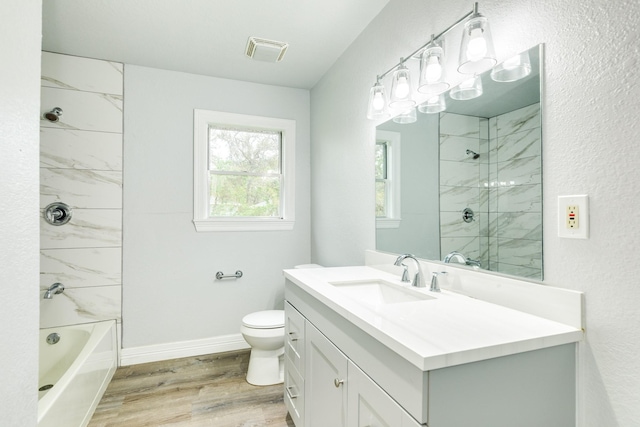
x=169, y=289
x=20, y=24
x=590, y=127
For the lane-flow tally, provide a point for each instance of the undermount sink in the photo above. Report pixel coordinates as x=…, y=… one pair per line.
x=379, y=292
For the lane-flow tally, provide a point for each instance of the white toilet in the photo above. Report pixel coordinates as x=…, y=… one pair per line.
x=264, y=331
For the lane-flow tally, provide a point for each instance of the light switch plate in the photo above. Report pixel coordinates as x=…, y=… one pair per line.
x=573, y=217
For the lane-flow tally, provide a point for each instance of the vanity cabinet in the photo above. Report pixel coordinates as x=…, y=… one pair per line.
x=343, y=376
x=336, y=392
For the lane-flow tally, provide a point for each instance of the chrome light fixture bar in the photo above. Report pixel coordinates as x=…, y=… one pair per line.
x=477, y=54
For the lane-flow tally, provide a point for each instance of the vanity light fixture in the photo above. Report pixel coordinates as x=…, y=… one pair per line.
x=435, y=104
x=377, y=102
x=515, y=68
x=476, y=55
x=476, y=50
x=401, y=89
x=468, y=89
x=432, y=69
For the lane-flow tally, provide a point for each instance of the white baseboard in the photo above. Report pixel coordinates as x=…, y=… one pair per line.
x=174, y=350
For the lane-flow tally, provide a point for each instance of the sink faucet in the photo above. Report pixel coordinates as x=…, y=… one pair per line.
x=55, y=289
x=418, y=279
x=461, y=259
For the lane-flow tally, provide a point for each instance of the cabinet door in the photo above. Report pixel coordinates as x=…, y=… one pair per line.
x=325, y=381
x=294, y=337
x=370, y=406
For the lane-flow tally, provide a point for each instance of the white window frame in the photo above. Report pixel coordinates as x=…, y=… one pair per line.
x=393, y=178
x=202, y=119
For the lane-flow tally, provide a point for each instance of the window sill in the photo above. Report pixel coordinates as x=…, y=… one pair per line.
x=388, y=223
x=204, y=225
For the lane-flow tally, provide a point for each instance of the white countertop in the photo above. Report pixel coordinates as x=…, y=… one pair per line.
x=450, y=329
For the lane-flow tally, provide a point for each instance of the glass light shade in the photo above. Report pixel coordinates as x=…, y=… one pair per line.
x=401, y=89
x=468, y=89
x=476, y=51
x=377, y=108
x=432, y=70
x=433, y=105
x=512, y=69
x=407, y=116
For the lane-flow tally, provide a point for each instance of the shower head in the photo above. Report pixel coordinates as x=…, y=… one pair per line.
x=473, y=153
x=54, y=115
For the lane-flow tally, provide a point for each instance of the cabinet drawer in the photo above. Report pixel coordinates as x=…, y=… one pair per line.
x=295, y=337
x=294, y=393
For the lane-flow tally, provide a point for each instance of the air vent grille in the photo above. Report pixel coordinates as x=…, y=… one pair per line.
x=265, y=50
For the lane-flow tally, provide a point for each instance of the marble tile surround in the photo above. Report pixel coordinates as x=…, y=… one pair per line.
x=503, y=187
x=81, y=165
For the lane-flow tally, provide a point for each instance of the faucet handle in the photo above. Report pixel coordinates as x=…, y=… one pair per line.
x=435, y=287
x=405, y=273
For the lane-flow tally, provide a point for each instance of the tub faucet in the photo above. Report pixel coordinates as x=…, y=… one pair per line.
x=55, y=289
x=418, y=279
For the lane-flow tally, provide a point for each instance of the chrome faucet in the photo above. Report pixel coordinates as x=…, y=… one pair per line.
x=461, y=259
x=55, y=289
x=418, y=279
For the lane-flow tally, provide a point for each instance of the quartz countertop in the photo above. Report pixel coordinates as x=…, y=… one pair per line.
x=446, y=330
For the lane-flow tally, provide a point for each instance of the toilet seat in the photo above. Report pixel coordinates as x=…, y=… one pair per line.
x=268, y=319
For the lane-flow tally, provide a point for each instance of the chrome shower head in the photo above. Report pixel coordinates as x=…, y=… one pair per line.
x=54, y=115
x=473, y=153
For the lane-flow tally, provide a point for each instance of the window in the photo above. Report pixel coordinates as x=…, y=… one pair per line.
x=387, y=167
x=243, y=172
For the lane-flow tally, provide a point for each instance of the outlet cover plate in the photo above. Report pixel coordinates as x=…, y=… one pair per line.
x=576, y=227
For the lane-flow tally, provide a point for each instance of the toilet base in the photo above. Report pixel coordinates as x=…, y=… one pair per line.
x=265, y=367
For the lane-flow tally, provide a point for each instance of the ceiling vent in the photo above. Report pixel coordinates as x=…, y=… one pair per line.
x=265, y=50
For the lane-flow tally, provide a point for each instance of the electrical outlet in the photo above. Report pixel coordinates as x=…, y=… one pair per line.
x=573, y=217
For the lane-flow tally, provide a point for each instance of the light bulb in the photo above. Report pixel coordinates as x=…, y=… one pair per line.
x=434, y=69
x=378, y=101
x=402, y=88
x=477, y=46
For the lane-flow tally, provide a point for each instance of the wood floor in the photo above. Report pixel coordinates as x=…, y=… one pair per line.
x=198, y=391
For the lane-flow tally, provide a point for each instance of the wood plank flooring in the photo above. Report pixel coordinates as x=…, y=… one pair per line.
x=198, y=391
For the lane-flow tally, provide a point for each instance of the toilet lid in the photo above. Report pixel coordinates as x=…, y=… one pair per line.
x=264, y=319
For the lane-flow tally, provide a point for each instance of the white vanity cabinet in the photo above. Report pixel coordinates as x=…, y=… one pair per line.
x=344, y=377
x=336, y=392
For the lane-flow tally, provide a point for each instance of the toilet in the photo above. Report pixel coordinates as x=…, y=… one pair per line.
x=264, y=332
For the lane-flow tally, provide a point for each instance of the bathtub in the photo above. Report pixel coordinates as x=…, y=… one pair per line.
x=75, y=372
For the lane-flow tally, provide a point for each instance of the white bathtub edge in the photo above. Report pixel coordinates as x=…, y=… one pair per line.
x=175, y=350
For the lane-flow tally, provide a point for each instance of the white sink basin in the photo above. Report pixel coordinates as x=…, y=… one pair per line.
x=379, y=292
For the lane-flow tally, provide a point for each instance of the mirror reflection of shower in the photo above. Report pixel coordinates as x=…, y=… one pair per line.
x=54, y=115
x=473, y=154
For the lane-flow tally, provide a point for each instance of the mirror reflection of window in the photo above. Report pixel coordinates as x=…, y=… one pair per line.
x=381, y=179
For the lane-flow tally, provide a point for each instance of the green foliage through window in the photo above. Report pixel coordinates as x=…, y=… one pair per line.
x=245, y=172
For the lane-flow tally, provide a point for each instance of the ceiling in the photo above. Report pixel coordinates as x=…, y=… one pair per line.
x=209, y=37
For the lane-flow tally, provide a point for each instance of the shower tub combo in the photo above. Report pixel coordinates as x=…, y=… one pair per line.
x=76, y=365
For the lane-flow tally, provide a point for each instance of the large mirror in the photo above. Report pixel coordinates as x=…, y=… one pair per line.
x=468, y=179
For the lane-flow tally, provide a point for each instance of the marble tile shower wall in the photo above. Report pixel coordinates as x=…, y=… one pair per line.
x=515, y=193
x=460, y=183
x=81, y=165
x=503, y=187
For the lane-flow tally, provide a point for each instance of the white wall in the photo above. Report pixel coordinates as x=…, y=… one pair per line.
x=590, y=128
x=169, y=289
x=19, y=188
